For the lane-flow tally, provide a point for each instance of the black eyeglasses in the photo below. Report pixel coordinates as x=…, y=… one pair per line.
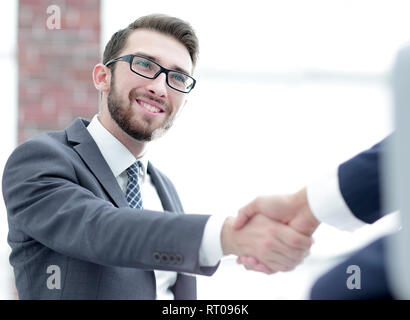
x=149, y=69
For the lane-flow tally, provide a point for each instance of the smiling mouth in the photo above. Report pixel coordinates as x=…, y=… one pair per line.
x=149, y=108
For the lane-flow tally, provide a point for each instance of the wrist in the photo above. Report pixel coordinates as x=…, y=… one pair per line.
x=305, y=219
x=227, y=236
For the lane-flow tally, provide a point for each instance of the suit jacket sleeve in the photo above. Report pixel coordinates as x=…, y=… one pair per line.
x=46, y=203
x=360, y=185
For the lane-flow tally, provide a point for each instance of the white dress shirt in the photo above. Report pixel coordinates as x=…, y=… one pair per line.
x=327, y=204
x=119, y=158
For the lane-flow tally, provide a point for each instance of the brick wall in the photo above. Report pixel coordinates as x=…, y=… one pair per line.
x=55, y=65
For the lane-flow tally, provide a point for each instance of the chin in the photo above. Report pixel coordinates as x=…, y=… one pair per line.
x=158, y=133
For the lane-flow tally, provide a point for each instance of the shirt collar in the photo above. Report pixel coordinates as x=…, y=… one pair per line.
x=117, y=156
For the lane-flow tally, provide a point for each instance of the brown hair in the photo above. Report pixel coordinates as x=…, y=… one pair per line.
x=175, y=27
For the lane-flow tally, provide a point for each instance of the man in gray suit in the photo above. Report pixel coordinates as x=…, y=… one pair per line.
x=91, y=218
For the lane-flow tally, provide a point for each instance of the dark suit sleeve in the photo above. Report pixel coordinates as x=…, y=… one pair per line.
x=360, y=183
x=46, y=203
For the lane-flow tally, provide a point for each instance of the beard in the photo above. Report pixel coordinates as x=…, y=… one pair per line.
x=121, y=112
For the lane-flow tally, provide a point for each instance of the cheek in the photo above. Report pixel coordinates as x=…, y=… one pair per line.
x=125, y=86
x=177, y=102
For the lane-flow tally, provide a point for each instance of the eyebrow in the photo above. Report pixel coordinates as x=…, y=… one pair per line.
x=175, y=67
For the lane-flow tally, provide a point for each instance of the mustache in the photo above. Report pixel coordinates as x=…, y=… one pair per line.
x=135, y=95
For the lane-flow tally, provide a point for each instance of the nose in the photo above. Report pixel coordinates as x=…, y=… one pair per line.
x=158, y=86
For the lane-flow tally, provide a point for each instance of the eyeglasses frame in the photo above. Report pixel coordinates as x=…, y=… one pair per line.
x=129, y=57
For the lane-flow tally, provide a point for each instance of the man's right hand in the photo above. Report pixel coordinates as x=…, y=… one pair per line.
x=276, y=246
x=292, y=210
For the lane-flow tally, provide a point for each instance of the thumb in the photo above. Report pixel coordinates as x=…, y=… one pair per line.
x=244, y=214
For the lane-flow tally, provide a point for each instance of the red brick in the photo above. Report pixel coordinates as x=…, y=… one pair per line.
x=55, y=66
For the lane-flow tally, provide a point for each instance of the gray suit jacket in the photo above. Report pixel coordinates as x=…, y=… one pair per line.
x=66, y=209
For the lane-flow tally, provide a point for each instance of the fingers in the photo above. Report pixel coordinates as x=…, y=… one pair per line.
x=275, y=230
x=245, y=213
x=250, y=263
x=275, y=245
x=291, y=238
x=260, y=268
x=285, y=247
x=276, y=207
x=283, y=261
x=291, y=209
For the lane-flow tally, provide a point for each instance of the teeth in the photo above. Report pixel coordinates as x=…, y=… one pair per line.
x=150, y=107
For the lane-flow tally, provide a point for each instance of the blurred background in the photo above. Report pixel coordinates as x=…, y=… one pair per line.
x=286, y=91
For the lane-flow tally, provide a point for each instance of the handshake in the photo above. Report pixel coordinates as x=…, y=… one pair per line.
x=271, y=233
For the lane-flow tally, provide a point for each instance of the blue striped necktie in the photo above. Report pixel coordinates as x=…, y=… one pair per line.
x=133, y=193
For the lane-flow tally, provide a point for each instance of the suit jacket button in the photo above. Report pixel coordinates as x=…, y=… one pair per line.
x=172, y=258
x=164, y=258
x=179, y=259
x=157, y=257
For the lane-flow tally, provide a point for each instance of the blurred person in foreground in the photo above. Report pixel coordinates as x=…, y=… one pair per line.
x=88, y=210
x=347, y=199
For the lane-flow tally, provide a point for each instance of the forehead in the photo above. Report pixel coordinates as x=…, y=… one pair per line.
x=166, y=50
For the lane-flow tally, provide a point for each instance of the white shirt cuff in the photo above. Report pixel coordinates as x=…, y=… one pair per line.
x=327, y=204
x=210, y=251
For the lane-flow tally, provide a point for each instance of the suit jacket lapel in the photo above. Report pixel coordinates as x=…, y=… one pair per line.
x=88, y=150
x=163, y=192
x=91, y=155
